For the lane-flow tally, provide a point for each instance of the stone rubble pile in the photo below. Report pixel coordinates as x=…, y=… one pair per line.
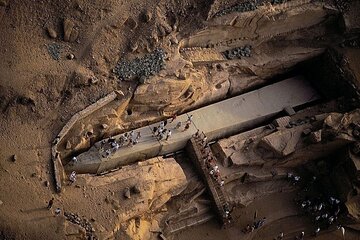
x=241, y=7
x=141, y=68
x=248, y=6
x=75, y=219
x=238, y=52
x=54, y=51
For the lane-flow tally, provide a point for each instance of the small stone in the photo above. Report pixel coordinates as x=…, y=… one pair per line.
x=14, y=158
x=68, y=145
x=315, y=137
x=74, y=36
x=104, y=126
x=114, y=211
x=134, y=46
x=52, y=33
x=282, y=121
x=33, y=175
x=147, y=16
x=70, y=56
x=127, y=193
x=119, y=93
x=136, y=189
x=1, y=202
x=46, y=183
x=289, y=110
x=182, y=76
x=93, y=80
x=68, y=28
x=137, y=222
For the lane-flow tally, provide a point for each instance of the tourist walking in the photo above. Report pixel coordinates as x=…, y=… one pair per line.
x=50, y=204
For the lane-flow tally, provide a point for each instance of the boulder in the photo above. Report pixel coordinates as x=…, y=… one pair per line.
x=51, y=31
x=127, y=193
x=283, y=142
x=68, y=29
x=157, y=180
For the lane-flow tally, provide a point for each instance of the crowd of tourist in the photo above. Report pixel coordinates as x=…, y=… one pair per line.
x=208, y=160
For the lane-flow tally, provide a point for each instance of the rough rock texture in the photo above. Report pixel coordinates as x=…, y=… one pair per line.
x=195, y=70
x=157, y=180
x=261, y=158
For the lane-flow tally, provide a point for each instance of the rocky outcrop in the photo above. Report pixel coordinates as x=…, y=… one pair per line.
x=300, y=141
x=151, y=183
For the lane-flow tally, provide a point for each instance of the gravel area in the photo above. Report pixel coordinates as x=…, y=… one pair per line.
x=141, y=68
x=238, y=52
x=54, y=51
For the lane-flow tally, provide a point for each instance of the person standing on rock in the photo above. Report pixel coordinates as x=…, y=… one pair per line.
x=138, y=136
x=131, y=134
x=190, y=118
x=197, y=134
x=50, y=204
x=168, y=135
x=280, y=236
x=130, y=144
x=72, y=177
x=301, y=236
x=187, y=126
x=57, y=211
x=317, y=231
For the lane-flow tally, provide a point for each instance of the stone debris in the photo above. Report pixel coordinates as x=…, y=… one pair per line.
x=289, y=111
x=134, y=46
x=74, y=218
x=250, y=6
x=278, y=1
x=342, y=5
x=238, y=52
x=241, y=7
x=127, y=193
x=94, y=80
x=68, y=29
x=282, y=122
x=52, y=33
x=136, y=189
x=148, y=65
x=46, y=183
x=54, y=51
x=68, y=145
x=315, y=137
x=70, y=56
x=147, y=16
